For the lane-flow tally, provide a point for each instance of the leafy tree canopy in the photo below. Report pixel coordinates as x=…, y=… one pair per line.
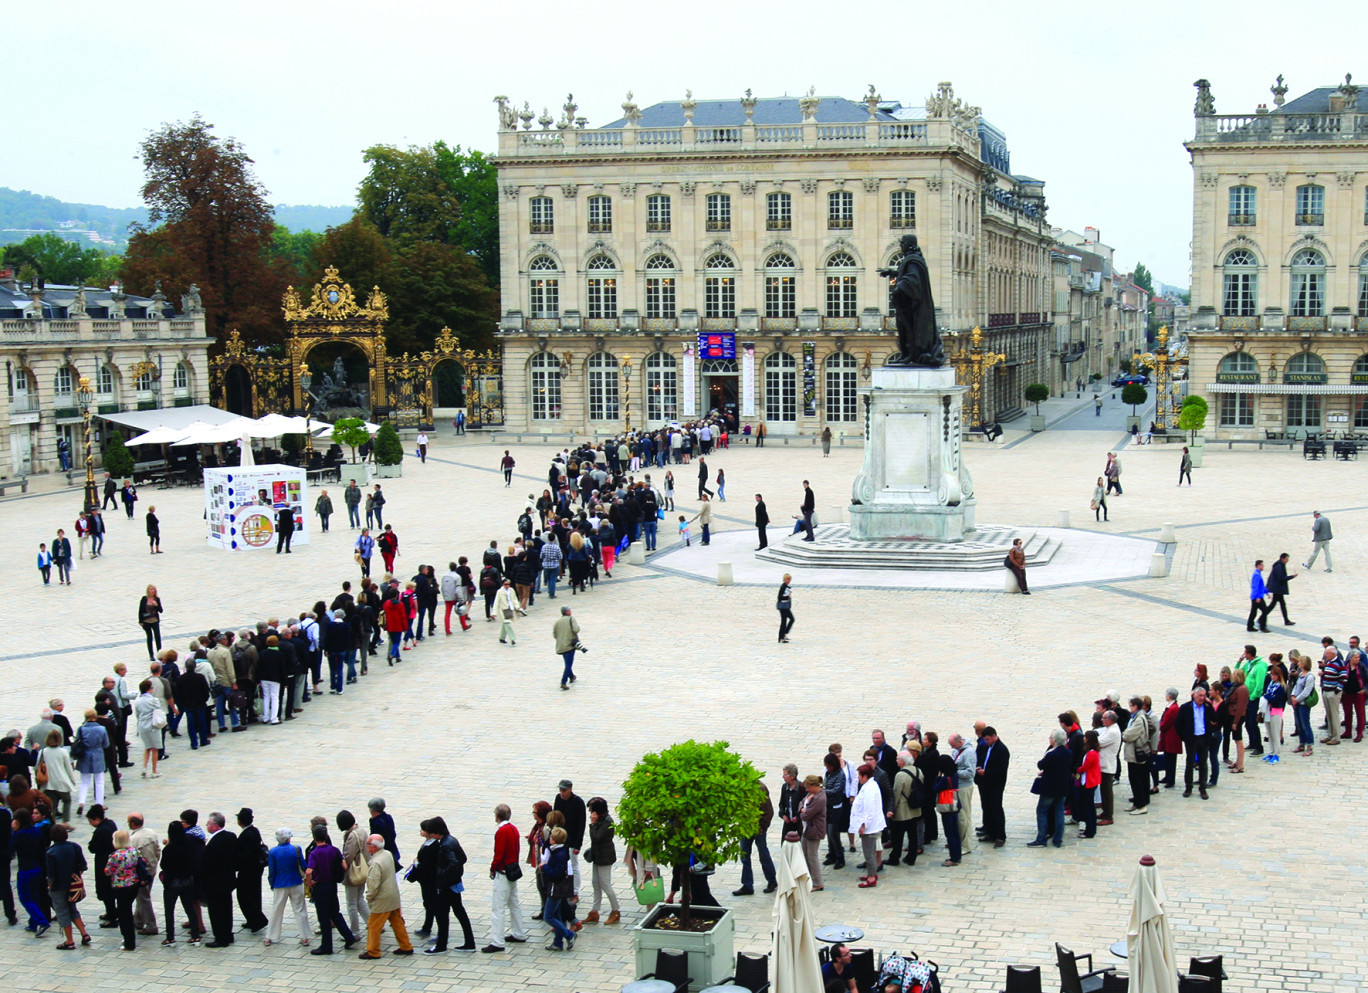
x=389, y=450
x=118, y=461
x=55, y=259
x=1143, y=278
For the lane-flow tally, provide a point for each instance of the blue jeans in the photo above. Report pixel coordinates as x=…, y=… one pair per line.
x=707, y=537
x=722, y=492
x=1050, y=817
x=351, y=665
x=950, y=825
x=1305, y=735
x=221, y=694
x=354, y=516
x=551, y=914
x=650, y=528
x=550, y=575
x=196, y=726
x=27, y=882
x=766, y=863
x=569, y=672
x=394, y=638
x=335, y=671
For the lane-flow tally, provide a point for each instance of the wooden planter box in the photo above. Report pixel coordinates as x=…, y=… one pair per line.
x=712, y=955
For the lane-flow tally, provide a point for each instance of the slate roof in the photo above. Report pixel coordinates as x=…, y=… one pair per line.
x=768, y=110
x=1318, y=102
x=57, y=299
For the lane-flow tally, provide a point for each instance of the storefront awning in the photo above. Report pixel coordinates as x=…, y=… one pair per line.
x=1324, y=389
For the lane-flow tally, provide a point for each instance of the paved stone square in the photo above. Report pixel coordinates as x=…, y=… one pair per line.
x=1269, y=872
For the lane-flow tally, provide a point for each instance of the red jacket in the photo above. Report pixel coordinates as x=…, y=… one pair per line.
x=506, y=843
x=1091, y=769
x=396, y=618
x=1170, y=742
x=388, y=542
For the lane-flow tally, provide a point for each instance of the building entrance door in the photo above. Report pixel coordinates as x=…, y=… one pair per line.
x=723, y=392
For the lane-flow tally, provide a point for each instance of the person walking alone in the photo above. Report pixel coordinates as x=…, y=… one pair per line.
x=784, y=604
x=323, y=507
x=351, y=496
x=566, y=632
x=1185, y=467
x=1099, y=501
x=703, y=478
x=1320, y=540
x=809, y=508
x=1277, y=590
x=506, y=465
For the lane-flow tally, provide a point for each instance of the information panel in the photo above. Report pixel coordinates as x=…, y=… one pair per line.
x=721, y=345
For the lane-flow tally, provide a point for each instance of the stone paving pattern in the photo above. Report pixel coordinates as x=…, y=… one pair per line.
x=465, y=722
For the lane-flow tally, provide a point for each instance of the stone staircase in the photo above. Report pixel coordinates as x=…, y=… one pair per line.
x=982, y=550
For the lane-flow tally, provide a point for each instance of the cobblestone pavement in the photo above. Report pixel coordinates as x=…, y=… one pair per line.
x=1269, y=871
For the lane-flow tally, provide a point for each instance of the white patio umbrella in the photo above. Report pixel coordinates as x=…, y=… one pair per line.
x=324, y=428
x=162, y=435
x=793, y=957
x=214, y=434
x=275, y=425
x=1150, y=956
x=245, y=456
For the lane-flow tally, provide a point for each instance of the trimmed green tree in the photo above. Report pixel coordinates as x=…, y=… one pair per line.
x=389, y=450
x=1035, y=393
x=1192, y=416
x=1134, y=394
x=351, y=431
x=690, y=801
x=118, y=460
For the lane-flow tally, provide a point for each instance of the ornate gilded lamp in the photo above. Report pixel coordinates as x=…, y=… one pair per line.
x=85, y=396
x=627, y=393
x=972, y=362
x=305, y=382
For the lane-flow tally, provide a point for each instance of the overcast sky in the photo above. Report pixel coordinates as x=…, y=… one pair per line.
x=1095, y=99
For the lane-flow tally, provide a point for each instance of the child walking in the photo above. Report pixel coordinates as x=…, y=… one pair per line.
x=683, y=529
x=45, y=563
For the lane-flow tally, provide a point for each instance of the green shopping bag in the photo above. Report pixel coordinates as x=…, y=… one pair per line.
x=651, y=892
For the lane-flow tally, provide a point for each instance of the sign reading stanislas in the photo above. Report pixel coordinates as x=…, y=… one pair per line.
x=716, y=346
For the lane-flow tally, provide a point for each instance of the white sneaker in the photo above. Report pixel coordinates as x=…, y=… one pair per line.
x=1138, y=810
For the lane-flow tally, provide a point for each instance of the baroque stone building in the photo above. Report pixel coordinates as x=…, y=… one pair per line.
x=136, y=352
x=1278, y=329
x=725, y=254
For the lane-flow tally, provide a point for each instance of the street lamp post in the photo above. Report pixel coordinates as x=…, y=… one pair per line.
x=306, y=381
x=627, y=392
x=85, y=396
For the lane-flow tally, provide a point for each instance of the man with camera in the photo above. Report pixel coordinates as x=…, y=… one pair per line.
x=566, y=633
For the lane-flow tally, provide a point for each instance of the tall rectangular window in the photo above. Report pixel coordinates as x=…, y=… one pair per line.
x=719, y=212
x=1241, y=206
x=546, y=387
x=781, y=387
x=600, y=215
x=840, y=210
x=841, y=296
x=660, y=296
x=543, y=217
x=1239, y=293
x=603, y=387
x=658, y=213
x=719, y=296
x=842, y=388
x=781, y=298
x=1304, y=411
x=902, y=209
x=1237, y=410
x=602, y=298
x=1311, y=204
x=545, y=300
x=778, y=212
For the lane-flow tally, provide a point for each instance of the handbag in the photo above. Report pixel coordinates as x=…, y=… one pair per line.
x=563, y=888
x=158, y=719
x=1035, y=786
x=506, y=613
x=947, y=802
x=1313, y=699
x=512, y=872
x=650, y=892
x=41, y=777
x=78, y=892
x=357, y=871
x=1092, y=505
x=357, y=556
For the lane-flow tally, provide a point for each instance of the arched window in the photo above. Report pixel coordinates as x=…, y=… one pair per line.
x=662, y=387
x=842, y=289
x=1241, y=284
x=1308, y=284
x=841, y=384
x=1241, y=363
x=781, y=387
x=180, y=380
x=1303, y=365
x=602, y=295
x=781, y=286
x=1237, y=409
x=143, y=382
x=660, y=289
x=64, y=384
x=104, y=380
x=1361, y=401
x=544, y=288
x=1363, y=286
x=545, y=387
x=603, y=387
x=719, y=290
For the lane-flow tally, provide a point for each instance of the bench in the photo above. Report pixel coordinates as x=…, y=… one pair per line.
x=21, y=482
x=988, y=432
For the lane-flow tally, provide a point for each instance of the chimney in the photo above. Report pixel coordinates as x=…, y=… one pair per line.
x=1092, y=235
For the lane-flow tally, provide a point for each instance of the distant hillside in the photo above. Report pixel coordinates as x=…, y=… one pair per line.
x=23, y=213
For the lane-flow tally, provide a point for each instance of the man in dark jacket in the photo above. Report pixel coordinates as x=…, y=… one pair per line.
x=218, y=878
x=761, y=521
x=991, y=776
x=1277, y=589
x=284, y=529
x=1196, y=720
x=809, y=508
x=1056, y=778
x=192, y=695
x=758, y=842
x=249, y=863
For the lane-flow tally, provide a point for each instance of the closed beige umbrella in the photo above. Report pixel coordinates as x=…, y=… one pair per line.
x=1152, y=962
x=793, y=960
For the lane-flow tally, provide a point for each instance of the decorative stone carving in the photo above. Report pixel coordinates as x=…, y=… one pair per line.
x=871, y=185
x=1345, y=178
x=1345, y=98
x=687, y=187
x=568, y=190
x=508, y=117
x=1277, y=180
x=628, y=190
x=78, y=305
x=598, y=187
x=748, y=187
x=1279, y=91
x=941, y=103
x=1207, y=180
x=933, y=183
x=872, y=103
x=808, y=104
x=541, y=189
x=808, y=185
x=546, y=120
x=1205, y=105
x=631, y=111
x=967, y=116
x=688, y=105
x=567, y=120
x=191, y=302
x=748, y=105
x=525, y=115
x=581, y=123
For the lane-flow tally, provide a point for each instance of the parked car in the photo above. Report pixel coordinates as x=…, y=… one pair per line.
x=1125, y=379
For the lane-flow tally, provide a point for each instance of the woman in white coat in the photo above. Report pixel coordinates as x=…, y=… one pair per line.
x=868, y=821
x=506, y=604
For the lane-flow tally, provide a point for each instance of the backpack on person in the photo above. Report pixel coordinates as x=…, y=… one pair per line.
x=1144, y=750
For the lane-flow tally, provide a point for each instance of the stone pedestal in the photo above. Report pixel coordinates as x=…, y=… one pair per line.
x=914, y=484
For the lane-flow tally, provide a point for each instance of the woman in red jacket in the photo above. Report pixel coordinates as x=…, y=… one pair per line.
x=389, y=547
x=1170, y=742
x=396, y=624
x=1089, y=778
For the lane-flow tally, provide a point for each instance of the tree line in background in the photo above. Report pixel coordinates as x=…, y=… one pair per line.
x=425, y=231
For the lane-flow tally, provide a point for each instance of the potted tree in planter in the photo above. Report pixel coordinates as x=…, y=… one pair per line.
x=1133, y=394
x=389, y=452
x=691, y=803
x=351, y=432
x=1035, y=393
x=118, y=460
x=1192, y=418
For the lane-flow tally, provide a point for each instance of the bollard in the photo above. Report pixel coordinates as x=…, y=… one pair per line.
x=1010, y=584
x=1063, y=520
x=1158, y=565
x=1166, y=534
x=724, y=574
x=636, y=553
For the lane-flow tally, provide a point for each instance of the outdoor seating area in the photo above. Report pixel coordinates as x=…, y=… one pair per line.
x=1205, y=974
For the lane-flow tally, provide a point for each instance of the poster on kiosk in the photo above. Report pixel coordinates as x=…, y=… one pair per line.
x=243, y=505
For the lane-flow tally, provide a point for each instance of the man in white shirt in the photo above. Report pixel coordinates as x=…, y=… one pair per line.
x=1109, y=740
x=422, y=446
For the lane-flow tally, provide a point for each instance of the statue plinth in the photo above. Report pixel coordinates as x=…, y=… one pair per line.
x=914, y=484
